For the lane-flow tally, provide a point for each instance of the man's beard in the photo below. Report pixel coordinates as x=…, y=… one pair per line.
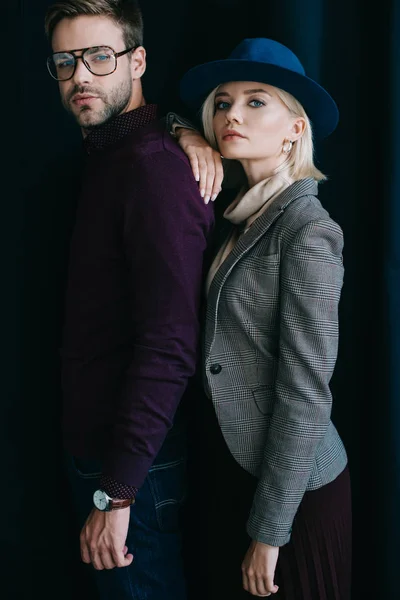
x=114, y=104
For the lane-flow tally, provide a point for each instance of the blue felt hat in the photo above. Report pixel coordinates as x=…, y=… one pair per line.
x=265, y=61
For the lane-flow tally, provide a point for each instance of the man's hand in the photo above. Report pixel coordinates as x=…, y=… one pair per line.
x=258, y=569
x=206, y=162
x=103, y=539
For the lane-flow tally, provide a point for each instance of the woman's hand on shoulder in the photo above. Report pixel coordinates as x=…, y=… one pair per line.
x=206, y=162
x=258, y=569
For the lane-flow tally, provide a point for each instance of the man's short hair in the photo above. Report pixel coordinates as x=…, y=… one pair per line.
x=125, y=13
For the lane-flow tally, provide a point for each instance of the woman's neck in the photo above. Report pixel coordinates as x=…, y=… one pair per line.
x=257, y=170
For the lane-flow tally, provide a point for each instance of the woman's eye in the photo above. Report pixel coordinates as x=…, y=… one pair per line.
x=221, y=105
x=256, y=103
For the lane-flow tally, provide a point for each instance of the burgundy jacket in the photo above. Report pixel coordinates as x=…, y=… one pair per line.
x=132, y=307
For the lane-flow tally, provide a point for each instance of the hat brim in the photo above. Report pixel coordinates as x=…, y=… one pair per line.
x=320, y=107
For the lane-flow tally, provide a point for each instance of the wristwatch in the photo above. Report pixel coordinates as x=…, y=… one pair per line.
x=103, y=502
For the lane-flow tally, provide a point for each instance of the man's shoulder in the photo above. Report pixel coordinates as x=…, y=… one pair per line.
x=153, y=143
x=154, y=164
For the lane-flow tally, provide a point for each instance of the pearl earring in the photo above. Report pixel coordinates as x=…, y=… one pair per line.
x=287, y=146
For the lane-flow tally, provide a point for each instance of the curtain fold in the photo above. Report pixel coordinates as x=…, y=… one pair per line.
x=390, y=426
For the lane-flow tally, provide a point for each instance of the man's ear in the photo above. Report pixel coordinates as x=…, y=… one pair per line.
x=138, y=62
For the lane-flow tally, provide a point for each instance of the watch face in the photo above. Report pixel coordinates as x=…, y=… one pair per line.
x=100, y=500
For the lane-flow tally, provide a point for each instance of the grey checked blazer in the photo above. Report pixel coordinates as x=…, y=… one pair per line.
x=270, y=348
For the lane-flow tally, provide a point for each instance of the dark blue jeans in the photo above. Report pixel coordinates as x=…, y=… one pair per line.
x=154, y=535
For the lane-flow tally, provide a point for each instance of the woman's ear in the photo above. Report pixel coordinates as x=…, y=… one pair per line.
x=297, y=128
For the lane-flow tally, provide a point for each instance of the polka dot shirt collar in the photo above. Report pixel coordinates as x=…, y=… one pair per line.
x=114, y=130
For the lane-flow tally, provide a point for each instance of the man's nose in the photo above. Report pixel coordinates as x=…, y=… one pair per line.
x=82, y=74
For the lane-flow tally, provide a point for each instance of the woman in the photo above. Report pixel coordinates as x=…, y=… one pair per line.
x=280, y=499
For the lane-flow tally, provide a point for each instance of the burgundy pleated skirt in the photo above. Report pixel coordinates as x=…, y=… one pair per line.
x=314, y=565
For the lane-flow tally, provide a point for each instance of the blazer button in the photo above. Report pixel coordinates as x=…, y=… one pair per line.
x=215, y=369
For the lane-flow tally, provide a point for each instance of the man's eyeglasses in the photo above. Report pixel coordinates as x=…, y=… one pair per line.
x=99, y=60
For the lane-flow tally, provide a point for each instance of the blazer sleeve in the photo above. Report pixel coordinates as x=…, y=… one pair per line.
x=173, y=121
x=310, y=287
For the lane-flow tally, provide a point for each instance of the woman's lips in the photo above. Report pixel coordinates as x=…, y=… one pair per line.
x=229, y=136
x=232, y=138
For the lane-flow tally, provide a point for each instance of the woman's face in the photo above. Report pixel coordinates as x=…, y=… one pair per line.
x=250, y=121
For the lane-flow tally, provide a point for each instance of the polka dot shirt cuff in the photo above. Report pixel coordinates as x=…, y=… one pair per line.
x=117, y=490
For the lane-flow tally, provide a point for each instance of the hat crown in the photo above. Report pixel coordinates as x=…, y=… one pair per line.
x=270, y=62
x=269, y=52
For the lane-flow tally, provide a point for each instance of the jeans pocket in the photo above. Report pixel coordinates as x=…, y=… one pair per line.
x=167, y=482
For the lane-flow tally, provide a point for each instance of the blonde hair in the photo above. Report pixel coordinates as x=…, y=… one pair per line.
x=300, y=161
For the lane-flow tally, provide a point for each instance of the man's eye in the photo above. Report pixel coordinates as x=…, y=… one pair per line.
x=101, y=58
x=65, y=63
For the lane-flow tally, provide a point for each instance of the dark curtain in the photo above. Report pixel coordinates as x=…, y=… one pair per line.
x=352, y=50
x=388, y=393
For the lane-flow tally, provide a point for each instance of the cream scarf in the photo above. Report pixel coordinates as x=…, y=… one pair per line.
x=248, y=205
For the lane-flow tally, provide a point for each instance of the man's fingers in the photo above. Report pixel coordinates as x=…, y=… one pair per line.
x=121, y=558
x=107, y=560
x=85, y=554
x=96, y=559
x=128, y=555
x=128, y=560
x=123, y=561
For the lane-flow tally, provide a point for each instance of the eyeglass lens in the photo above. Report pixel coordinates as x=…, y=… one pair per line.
x=99, y=60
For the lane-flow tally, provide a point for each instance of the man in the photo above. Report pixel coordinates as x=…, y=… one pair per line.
x=132, y=305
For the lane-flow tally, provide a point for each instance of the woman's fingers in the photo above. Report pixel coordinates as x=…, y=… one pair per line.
x=210, y=171
x=219, y=176
x=194, y=163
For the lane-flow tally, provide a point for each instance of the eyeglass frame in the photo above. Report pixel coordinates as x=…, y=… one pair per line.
x=83, y=50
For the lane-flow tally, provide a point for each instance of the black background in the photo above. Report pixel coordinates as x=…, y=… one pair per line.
x=344, y=45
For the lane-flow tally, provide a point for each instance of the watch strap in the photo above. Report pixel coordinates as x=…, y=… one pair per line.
x=117, y=503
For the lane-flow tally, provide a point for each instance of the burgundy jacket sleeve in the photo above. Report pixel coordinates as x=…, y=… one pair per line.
x=166, y=229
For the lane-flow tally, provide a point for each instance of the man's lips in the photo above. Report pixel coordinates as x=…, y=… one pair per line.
x=231, y=134
x=81, y=99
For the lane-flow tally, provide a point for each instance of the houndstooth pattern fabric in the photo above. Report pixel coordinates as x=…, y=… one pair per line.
x=270, y=346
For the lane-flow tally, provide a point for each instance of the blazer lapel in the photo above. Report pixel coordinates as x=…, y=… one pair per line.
x=301, y=188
